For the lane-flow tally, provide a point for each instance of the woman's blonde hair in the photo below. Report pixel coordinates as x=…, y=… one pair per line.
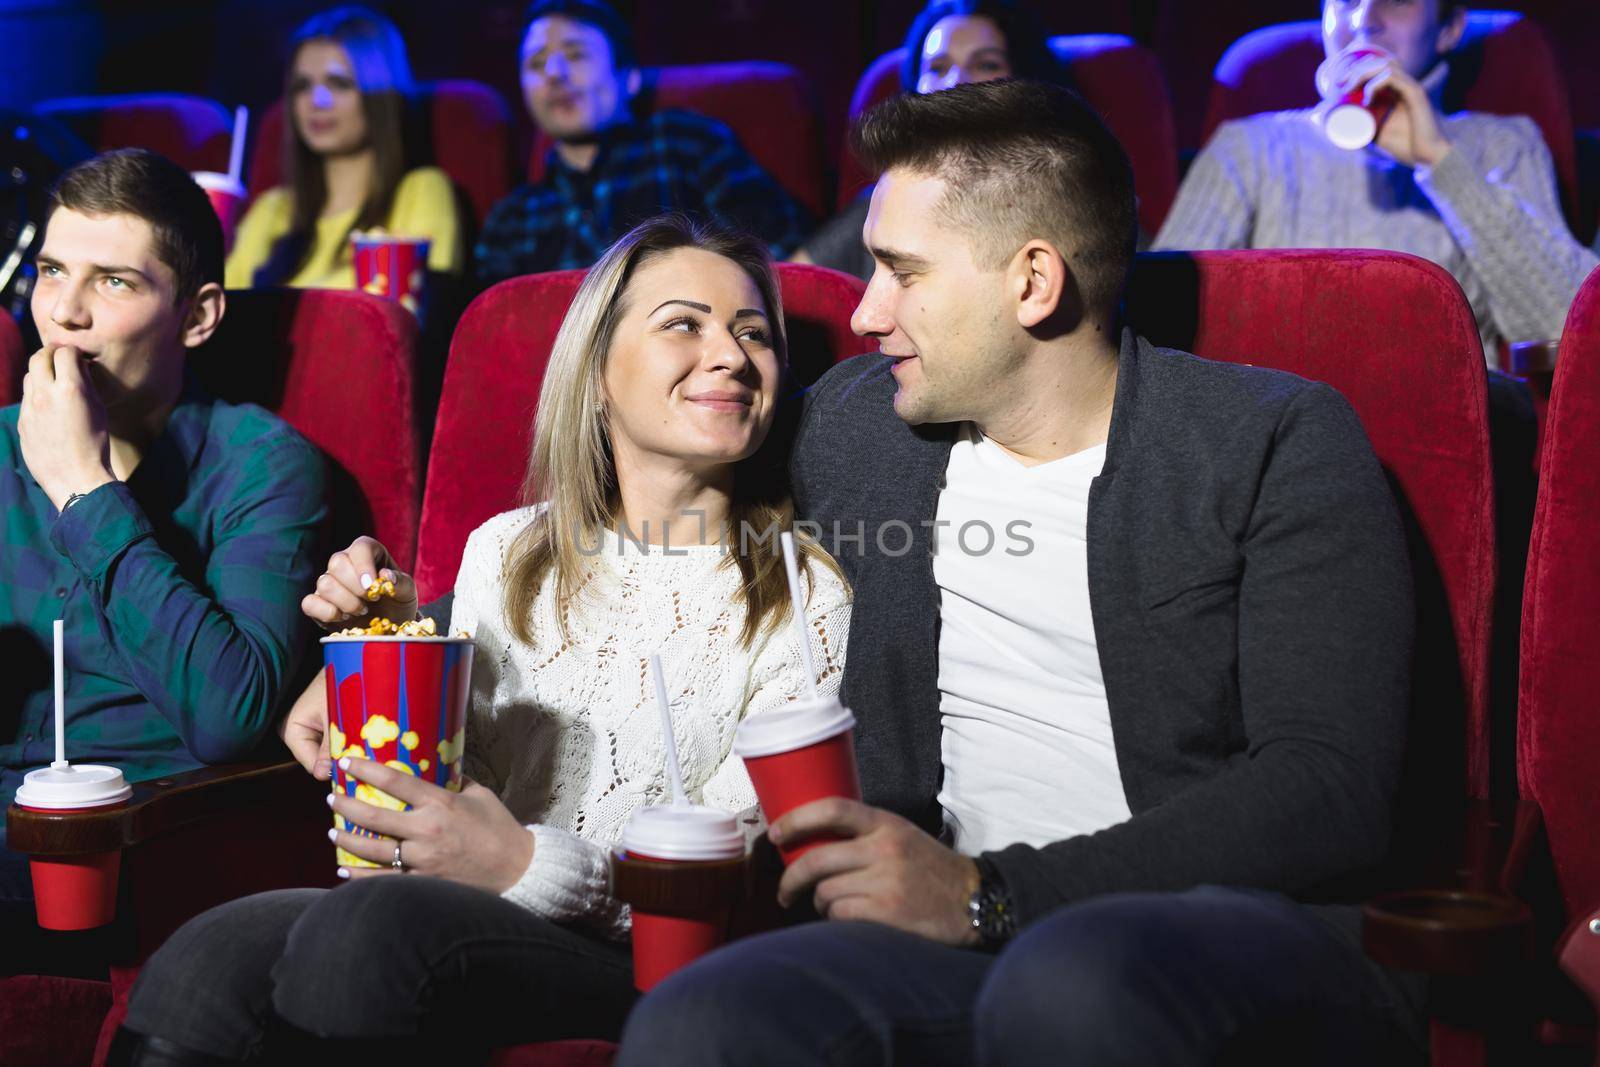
x=571, y=465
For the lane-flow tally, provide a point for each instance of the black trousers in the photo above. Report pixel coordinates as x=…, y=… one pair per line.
x=441, y=967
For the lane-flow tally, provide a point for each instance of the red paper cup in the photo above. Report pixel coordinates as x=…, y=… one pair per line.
x=799, y=754
x=1348, y=119
x=393, y=267
x=74, y=892
x=227, y=200
x=664, y=943
x=688, y=835
x=401, y=701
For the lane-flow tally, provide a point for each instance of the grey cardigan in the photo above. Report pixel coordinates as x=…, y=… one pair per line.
x=1252, y=603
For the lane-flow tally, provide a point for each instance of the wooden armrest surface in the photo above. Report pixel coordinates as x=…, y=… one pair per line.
x=1465, y=917
x=160, y=806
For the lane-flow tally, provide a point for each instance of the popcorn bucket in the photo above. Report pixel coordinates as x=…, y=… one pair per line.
x=1349, y=119
x=395, y=267
x=401, y=701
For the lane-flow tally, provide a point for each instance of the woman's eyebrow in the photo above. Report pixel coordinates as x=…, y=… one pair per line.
x=702, y=308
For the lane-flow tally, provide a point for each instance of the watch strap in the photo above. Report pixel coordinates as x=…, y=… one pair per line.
x=991, y=911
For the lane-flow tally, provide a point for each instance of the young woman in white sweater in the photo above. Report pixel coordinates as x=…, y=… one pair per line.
x=646, y=467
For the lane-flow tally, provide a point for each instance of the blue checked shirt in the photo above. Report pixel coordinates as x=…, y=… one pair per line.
x=672, y=160
x=180, y=590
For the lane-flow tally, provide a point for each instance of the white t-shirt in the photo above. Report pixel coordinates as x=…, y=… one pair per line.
x=1027, y=747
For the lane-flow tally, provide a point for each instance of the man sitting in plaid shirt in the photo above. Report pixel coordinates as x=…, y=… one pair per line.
x=610, y=170
x=172, y=532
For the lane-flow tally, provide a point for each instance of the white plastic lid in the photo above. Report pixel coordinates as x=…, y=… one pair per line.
x=210, y=179
x=805, y=722
x=691, y=832
x=82, y=785
x=1350, y=126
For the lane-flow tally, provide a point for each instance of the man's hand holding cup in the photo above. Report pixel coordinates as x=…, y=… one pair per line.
x=884, y=870
x=1410, y=132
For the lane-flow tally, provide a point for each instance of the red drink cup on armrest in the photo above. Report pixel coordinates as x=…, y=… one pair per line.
x=74, y=892
x=703, y=850
x=799, y=753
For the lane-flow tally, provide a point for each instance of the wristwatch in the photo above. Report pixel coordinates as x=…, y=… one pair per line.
x=990, y=909
x=71, y=500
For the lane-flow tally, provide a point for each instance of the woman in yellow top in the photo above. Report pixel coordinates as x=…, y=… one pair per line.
x=345, y=163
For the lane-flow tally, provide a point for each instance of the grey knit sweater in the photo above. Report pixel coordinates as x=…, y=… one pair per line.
x=1487, y=212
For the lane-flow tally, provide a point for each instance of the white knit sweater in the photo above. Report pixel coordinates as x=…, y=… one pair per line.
x=567, y=732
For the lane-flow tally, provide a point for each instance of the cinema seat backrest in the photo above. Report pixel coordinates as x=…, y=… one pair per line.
x=495, y=372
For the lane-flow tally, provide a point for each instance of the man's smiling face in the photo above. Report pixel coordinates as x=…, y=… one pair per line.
x=931, y=306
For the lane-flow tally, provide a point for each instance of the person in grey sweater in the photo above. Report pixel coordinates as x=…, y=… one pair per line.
x=1126, y=757
x=1474, y=193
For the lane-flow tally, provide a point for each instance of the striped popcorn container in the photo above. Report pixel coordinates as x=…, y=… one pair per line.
x=394, y=267
x=401, y=701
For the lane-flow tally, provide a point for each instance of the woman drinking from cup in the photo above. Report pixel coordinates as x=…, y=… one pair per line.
x=660, y=390
x=345, y=163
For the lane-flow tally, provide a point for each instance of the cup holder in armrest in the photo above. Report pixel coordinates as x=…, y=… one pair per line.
x=1459, y=932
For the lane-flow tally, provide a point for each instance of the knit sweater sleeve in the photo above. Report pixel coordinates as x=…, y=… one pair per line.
x=1216, y=203
x=1507, y=220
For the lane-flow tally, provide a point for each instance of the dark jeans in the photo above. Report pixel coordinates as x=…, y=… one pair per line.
x=1204, y=977
x=446, y=967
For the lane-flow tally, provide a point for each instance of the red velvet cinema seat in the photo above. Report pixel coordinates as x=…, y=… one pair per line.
x=1120, y=79
x=1505, y=65
x=1395, y=335
x=1559, y=739
x=13, y=361
x=191, y=131
x=769, y=107
x=492, y=382
x=337, y=366
x=467, y=133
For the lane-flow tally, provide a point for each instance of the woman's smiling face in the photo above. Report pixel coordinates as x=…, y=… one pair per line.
x=692, y=374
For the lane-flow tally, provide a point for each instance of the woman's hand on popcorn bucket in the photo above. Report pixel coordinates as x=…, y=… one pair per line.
x=305, y=730
x=360, y=584
x=468, y=837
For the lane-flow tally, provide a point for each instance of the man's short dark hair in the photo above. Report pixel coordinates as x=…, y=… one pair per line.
x=140, y=183
x=602, y=16
x=1022, y=161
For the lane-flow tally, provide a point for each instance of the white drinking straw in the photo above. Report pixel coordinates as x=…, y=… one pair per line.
x=674, y=772
x=60, y=763
x=800, y=633
x=241, y=119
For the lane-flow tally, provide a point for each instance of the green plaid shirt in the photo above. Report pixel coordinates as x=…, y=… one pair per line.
x=180, y=590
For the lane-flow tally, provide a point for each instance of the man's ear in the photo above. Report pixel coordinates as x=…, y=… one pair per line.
x=204, y=315
x=633, y=81
x=1042, y=282
x=1451, y=32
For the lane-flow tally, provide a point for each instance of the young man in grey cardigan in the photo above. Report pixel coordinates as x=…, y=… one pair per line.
x=1129, y=658
x=1474, y=193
